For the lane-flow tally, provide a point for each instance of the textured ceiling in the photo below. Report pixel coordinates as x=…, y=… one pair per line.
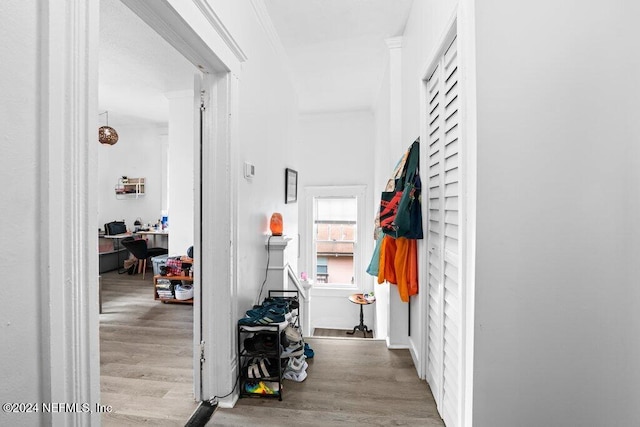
x=336, y=48
x=336, y=51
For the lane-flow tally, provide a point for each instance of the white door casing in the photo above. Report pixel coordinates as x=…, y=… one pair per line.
x=69, y=99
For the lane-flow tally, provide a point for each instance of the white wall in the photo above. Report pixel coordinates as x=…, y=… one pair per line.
x=557, y=296
x=137, y=154
x=20, y=324
x=267, y=120
x=338, y=149
x=425, y=27
x=180, y=171
x=383, y=165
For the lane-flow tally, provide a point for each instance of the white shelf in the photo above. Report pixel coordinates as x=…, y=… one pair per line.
x=129, y=188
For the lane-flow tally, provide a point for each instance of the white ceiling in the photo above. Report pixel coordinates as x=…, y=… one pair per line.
x=136, y=69
x=336, y=50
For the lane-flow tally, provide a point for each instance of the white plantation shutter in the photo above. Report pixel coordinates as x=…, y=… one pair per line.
x=434, y=231
x=443, y=236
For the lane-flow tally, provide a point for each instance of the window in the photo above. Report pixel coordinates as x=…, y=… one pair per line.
x=334, y=215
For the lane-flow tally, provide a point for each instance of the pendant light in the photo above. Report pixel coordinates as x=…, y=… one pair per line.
x=107, y=134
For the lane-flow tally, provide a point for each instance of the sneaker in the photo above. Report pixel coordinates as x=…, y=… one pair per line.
x=308, y=351
x=262, y=368
x=260, y=343
x=293, y=334
x=295, y=376
x=262, y=387
x=297, y=364
x=293, y=350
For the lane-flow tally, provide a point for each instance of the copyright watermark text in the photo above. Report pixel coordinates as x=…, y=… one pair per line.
x=53, y=407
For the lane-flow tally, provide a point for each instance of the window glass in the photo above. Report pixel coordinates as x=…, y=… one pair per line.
x=335, y=225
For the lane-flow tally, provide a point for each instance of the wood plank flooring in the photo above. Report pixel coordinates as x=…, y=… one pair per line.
x=145, y=354
x=146, y=373
x=354, y=382
x=340, y=333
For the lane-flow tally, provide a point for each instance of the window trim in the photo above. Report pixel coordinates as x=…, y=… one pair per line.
x=357, y=191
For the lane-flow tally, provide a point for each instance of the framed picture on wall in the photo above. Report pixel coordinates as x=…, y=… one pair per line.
x=290, y=186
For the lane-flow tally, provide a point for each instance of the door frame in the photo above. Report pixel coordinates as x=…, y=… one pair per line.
x=69, y=324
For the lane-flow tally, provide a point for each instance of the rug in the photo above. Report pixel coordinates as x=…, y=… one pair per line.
x=339, y=333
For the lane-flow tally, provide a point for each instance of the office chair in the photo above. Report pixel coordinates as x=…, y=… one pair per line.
x=139, y=249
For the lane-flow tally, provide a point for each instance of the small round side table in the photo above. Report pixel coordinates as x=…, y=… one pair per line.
x=361, y=301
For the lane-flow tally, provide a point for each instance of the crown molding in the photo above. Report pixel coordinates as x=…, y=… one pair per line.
x=267, y=24
x=215, y=21
x=274, y=40
x=394, y=42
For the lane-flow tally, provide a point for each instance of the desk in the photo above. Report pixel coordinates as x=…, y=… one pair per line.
x=361, y=301
x=118, y=238
x=154, y=233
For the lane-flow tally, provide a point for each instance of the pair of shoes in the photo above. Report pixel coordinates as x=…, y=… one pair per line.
x=295, y=376
x=291, y=303
x=293, y=350
x=308, y=351
x=264, y=319
x=259, y=368
x=296, y=369
x=270, y=309
x=262, y=387
x=297, y=364
x=261, y=342
x=292, y=334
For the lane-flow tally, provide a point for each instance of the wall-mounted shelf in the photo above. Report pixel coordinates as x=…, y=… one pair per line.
x=129, y=188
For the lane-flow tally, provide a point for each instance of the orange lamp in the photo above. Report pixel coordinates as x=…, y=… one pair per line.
x=276, y=224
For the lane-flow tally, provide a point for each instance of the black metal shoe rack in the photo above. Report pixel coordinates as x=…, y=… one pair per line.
x=245, y=356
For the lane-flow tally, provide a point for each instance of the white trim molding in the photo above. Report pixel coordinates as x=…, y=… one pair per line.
x=67, y=227
x=219, y=27
x=184, y=26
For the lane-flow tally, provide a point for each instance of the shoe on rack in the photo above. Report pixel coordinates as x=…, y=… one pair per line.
x=295, y=376
x=261, y=342
x=262, y=368
x=295, y=349
x=297, y=364
x=257, y=323
x=262, y=387
x=292, y=333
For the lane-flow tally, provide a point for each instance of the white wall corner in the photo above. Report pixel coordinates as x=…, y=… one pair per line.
x=394, y=42
x=274, y=40
x=395, y=99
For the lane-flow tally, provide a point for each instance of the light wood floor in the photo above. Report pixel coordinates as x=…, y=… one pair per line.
x=341, y=333
x=351, y=382
x=146, y=373
x=145, y=354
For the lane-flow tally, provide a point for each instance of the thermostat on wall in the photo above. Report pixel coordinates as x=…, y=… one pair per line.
x=249, y=170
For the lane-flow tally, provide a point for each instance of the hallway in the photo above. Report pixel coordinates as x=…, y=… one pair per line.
x=352, y=382
x=145, y=376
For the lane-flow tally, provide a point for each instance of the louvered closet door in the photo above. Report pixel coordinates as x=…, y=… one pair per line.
x=434, y=233
x=444, y=362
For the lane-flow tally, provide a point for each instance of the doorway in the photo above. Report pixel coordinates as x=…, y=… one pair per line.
x=149, y=348
x=334, y=240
